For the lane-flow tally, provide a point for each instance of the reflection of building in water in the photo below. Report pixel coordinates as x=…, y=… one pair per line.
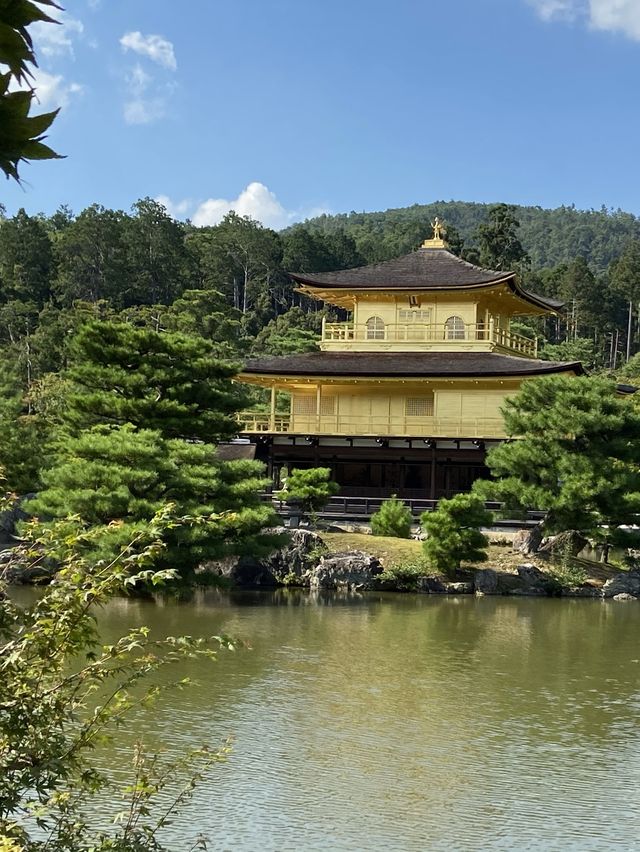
x=404, y=396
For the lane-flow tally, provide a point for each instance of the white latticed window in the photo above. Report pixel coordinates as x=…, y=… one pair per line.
x=419, y=406
x=304, y=405
x=454, y=328
x=375, y=328
x=414, y=315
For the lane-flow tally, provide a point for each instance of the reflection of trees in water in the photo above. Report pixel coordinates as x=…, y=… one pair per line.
x=557, y=665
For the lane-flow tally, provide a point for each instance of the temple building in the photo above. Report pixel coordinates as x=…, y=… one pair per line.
x=404, y=397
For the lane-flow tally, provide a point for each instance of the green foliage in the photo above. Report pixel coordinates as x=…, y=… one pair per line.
x=24, y=434
x=404, y=577
x=92, y=259
x=453, y=531
x=568, y=573
x=142, y=418
x=291, y=332
x=500, y=247
x=166, y=381
x=62, y=692
x=26, y=260
x=581, y=349
x=21, y=134
x=577, y=455
x=311, y=488
x=394, y=518
x=116, y=478
x=631, y=370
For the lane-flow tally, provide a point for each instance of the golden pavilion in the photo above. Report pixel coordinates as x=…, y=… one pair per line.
x=404, y=397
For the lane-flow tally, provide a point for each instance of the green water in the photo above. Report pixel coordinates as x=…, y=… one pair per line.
x=404, y=722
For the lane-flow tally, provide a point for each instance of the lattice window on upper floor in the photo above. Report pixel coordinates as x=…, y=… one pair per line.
x=327, y=406
x=419, y=406
x=455, y=328
x=419, y=316
x=304, y=405
x=375, y=328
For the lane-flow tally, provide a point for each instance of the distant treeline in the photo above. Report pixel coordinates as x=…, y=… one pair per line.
x=550, y=237
x=228, y=283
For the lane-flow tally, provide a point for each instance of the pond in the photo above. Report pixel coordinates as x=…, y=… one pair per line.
x=403, y=722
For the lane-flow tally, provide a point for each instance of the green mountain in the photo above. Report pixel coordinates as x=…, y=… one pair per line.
x=549, y=236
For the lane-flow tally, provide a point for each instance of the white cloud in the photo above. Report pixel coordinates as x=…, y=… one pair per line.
x=52, y=90
x=56, y=39
x=154, y=47
x=256, y=201
x=176, y=209
x=144, y=111
x=614, y=16
x=146, y=101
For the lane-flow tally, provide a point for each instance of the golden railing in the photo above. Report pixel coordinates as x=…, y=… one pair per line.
x=430, y=333
x=373, y=426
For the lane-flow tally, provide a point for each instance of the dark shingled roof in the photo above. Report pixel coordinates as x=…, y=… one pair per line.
x=424, y=269
x=234, y=450
x=417, y=364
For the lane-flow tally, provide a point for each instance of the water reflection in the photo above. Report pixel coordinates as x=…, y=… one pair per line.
x=403, y=721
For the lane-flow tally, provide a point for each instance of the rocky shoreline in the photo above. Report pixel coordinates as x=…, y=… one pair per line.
x=306, y=562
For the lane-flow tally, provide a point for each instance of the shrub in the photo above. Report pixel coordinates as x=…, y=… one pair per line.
x=394, y=518
x=311, y=488
x=453, y=531
x=403, y=577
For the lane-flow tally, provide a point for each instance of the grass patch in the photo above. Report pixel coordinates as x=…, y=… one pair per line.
x=390, y=551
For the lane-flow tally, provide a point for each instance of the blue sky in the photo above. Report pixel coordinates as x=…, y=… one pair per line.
x=284, y=108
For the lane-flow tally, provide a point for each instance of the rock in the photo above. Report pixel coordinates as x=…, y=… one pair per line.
x=485, y=580
x=567, y=543
x=624, y=596
x=535, y=582
x=459, y=588
x=286, y=566
x=527, y=541
x=531, y=575
x=431, y=586
x=624, y=583
x=302, y=551
x=16, y=570
x=11, y=517
x=581, y=592
x=352, y=571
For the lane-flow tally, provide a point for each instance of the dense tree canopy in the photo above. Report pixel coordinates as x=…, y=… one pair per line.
x=577, y=455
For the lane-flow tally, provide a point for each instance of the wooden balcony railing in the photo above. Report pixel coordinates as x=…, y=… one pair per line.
x=430, y=333
x=372, y=426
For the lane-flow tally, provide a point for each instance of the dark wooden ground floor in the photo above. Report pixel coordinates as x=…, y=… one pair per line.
x=412, y=470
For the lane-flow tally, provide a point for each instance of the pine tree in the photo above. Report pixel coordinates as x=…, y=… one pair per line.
x=394, y=518
x=169, y=382
x=453, y=531
x=24, y=435
x=312, y=488
x=142, y=424
x=577, y=456
x=117, y=478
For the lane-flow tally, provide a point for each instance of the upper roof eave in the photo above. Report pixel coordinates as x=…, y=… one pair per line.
x=421, y=270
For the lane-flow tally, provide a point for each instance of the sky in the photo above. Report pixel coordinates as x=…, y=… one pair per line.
x=284, y=109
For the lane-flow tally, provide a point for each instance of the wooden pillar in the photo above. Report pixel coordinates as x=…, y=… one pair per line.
x=272, y=415
x=318, y=405
x=432, y=489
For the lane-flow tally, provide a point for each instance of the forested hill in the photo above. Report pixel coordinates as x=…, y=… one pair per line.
x=550, y=237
